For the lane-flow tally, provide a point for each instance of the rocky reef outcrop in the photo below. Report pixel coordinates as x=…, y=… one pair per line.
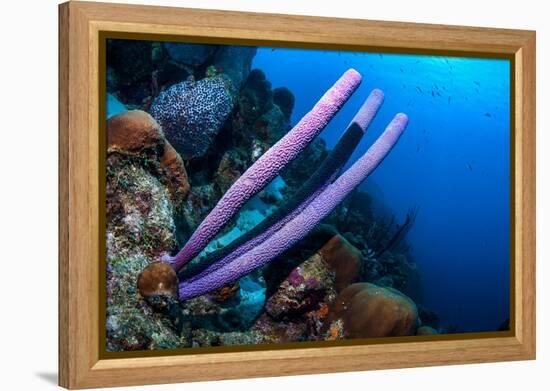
x=181, y=131
x=141, y=194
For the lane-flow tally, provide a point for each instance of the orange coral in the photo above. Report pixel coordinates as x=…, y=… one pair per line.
x=174, y=172
x=132, y=132
x=226, y=292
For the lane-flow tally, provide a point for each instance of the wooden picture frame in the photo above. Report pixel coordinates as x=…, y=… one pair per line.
x=81, y=364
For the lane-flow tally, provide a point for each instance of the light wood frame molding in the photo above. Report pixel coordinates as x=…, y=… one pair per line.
x=80, y=24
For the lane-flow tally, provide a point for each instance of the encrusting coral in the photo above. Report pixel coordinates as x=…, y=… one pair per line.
x=364, y=310
x=192, y=112
x=298, y=220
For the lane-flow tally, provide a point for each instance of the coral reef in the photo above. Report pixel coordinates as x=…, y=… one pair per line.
x=133, y=132
x=299, y=226
x=273, y=235
x=312, y=187
x=136, y=133
x=284, y=98
x=297, y=308
x=189, y=53
x=140, y=227
x=232, y=308
x=192, y=113
x=364, y=310
x=234, y=62
x=268, y=166
x=344, y=259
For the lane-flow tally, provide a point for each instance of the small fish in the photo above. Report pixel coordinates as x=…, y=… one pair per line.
x=424, y=131
x=433, y=93
x=437, y=93
x=401, y=69
x=409, y=103
x=488, y=115
x=469, y=166
x=417, y=149
x=381, y=55
x=477, y=83
x=449, y=100
x=272, y=49
x=419, y=89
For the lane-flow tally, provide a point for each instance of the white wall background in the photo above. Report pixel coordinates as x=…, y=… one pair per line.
x=28, y=195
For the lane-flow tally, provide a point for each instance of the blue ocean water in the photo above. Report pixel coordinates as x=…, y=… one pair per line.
x=453, y=163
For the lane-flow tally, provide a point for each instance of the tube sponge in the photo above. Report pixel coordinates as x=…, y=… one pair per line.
x=298, y=227
x=324, y=175
x=269, y=165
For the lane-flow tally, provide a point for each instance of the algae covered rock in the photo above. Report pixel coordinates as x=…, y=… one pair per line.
x=297, y=308
x=137, y=134
x=140, y=228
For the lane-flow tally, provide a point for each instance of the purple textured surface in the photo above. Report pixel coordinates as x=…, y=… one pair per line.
x=257, y=239
x=369, y=109
x=269, y=165
x=363, y=119
x=304, y=222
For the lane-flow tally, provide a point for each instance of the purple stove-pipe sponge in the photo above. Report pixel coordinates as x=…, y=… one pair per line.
x=269, y=165
x=304, y=222
x=321, y=178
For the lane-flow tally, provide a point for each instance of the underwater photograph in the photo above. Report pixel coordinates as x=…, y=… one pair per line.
x=266, y=195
